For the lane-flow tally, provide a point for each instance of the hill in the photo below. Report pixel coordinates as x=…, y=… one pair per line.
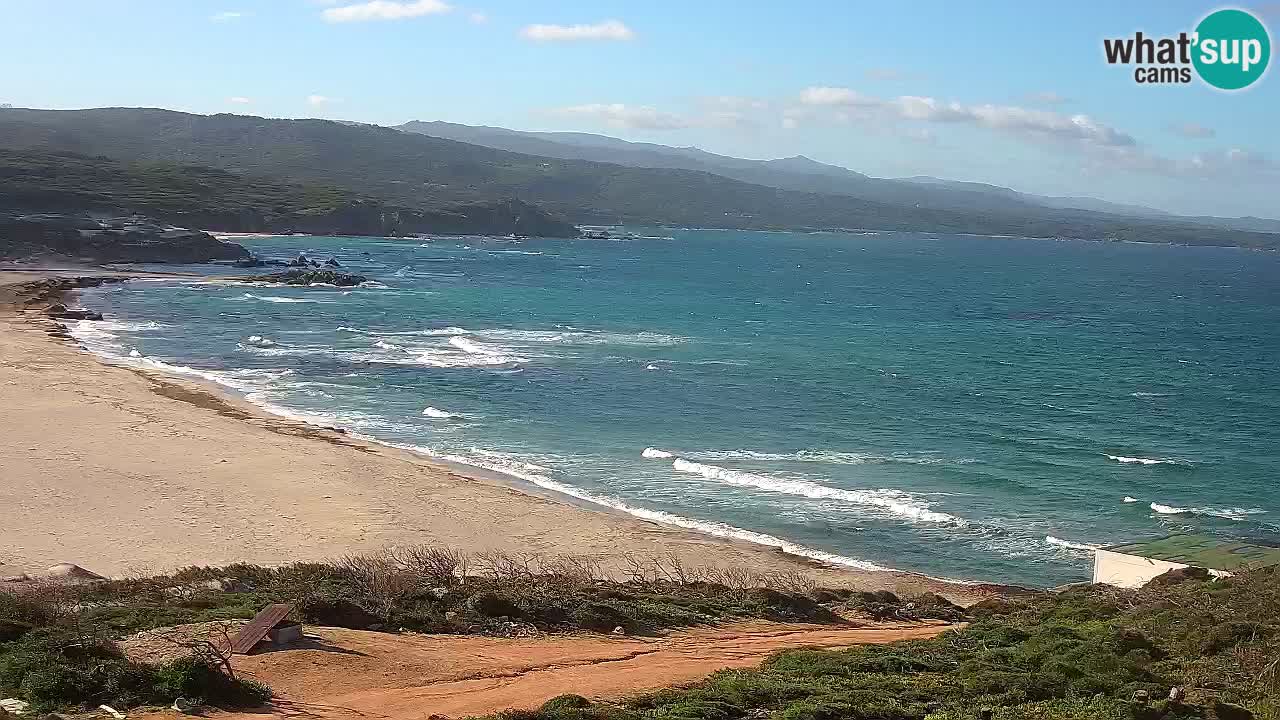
x=203, y=197
x=804, y=174
x=423, y=173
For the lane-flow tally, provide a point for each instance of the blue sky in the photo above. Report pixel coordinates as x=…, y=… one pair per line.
x=1011, y=93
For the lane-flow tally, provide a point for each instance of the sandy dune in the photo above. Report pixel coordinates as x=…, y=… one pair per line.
x=344, y=674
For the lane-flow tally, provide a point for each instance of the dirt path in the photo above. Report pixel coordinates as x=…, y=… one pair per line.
x=344, y=674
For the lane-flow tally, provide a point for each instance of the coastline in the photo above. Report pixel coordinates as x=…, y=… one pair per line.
x=126, y=471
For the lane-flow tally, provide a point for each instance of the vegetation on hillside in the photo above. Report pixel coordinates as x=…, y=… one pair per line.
x=423, y=173
x=1088, y=652
x=1084, y=654
x=204, y=197
x=58, y=643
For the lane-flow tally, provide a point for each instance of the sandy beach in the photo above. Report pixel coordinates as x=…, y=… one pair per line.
x=126, y=472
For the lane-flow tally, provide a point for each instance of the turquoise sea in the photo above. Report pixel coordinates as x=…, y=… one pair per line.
x=967, y=407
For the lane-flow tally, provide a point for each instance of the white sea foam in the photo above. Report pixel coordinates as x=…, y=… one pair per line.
x=521, y=337
x=124, y=326
x=259, y=341
x=895, y=502
x=1059, y=542
x=1141, y=460
x=1148, y=394
x=664, y=518
x=437, y=413
x=656, y=454
x=277, y=299
x=385, y=345
x=833, y=457
x=1130, y=499
x=1226, y=513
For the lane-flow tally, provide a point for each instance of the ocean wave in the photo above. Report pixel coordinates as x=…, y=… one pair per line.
x=1148, y=394
x=433, y=332
x=515, y=336
x=895, y=502
x=468, y=354
x=655, y=454
x=833, y=457
x=1059, y=542
x=437, y=413
x=278, y=299
x=1130, y=499
x=709, y=527
x=1141, y=460
x=384, y=345
x=124, y=326
x=259, y=341
x=1235, y=513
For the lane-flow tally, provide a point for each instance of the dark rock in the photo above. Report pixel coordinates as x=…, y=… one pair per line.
x=300, y=261
x=332, y=262
x=312, y=277
x=62, y=312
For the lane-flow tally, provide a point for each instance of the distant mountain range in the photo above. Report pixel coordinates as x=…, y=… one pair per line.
x=804, y=174
x=246, y=172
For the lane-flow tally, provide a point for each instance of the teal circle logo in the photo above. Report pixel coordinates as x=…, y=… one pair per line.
x=1232, y=49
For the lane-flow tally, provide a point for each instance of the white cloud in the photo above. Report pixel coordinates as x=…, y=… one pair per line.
x=1007, y=118
x=321, y=100
x=834, y=96
x=1232, y=160
x=229, y=15
x=239, y=100
x=385, y=10
x=636, y=117
x=1192, y=130
x=478, y=18
x=607, y=30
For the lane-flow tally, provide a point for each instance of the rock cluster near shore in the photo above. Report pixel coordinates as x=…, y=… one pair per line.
x=311, y=277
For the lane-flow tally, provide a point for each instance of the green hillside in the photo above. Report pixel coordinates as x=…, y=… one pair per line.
x=426, y=173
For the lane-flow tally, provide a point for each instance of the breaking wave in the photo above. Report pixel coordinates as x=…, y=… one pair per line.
x=437, y=413
x=1059, y=542
x=709, y=527
x=278, y=299
x=656, y=454
x=1140, y=460
x=895, y=502
x=1234, y=513
x=833, y=457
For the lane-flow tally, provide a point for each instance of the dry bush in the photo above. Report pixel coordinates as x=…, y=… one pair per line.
x=440, y=566
x=381, y=578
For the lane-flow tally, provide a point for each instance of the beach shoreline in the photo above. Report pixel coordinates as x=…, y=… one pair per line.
x=127, y=471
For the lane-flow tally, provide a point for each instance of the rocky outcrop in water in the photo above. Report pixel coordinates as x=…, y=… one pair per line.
x=311, y=277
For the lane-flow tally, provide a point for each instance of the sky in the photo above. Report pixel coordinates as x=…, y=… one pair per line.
x=1016, y=94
